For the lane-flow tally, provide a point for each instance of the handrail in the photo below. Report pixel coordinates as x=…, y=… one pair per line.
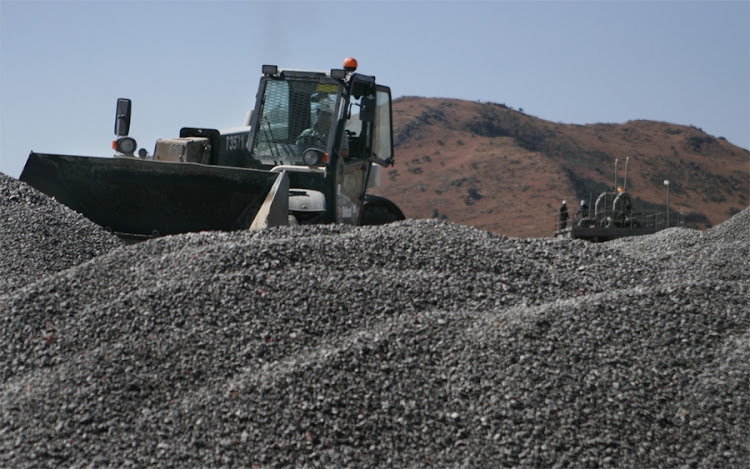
x=611, y=219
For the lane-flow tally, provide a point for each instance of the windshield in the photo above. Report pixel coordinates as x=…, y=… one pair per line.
x=296, y=115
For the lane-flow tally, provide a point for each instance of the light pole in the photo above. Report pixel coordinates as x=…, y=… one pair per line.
x=666, y=183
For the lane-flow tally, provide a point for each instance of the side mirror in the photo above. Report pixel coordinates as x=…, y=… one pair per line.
x=367, y=108
x=122, y=117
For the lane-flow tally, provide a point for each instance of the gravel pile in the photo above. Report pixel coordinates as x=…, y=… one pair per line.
x=690, y=254
x=39, y=237
x=420, y=343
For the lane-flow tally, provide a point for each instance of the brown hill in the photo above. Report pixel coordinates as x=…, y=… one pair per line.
x=500, y=170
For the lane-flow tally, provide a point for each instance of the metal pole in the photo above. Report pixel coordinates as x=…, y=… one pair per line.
x=615, y=176
x=666, y=183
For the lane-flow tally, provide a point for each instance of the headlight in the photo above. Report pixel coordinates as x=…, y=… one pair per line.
x=312, y=157
x=126, y=145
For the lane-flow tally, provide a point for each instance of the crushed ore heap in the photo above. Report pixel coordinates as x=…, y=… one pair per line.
x=39, y=236
x=420, y=343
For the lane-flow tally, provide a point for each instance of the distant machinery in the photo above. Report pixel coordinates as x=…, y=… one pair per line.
x=612, y=217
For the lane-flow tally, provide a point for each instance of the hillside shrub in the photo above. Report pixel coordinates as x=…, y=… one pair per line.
x=697, y=142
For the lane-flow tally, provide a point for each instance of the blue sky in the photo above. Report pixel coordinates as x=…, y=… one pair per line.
x=63, y=64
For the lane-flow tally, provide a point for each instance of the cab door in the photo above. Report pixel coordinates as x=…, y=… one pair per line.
x=355, y=148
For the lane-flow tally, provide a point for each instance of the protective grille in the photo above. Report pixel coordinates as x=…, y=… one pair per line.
x=295, y=116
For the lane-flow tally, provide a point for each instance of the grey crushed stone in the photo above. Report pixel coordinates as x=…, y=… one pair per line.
x=39, y=236
x=420, y=343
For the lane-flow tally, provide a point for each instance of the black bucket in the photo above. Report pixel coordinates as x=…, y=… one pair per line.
x=143, y=198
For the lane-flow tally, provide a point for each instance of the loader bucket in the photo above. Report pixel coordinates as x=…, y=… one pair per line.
x=143, y=198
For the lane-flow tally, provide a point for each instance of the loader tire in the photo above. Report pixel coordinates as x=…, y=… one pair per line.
x=378, y=211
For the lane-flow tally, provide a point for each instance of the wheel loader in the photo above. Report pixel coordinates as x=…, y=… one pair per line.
x=307, y=153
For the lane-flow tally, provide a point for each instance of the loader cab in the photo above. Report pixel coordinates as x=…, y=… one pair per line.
x=325, y=130
x=289, y=117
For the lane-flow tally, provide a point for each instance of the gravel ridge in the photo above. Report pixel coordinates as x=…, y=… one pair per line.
x=39, y=236
x=419, y=343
